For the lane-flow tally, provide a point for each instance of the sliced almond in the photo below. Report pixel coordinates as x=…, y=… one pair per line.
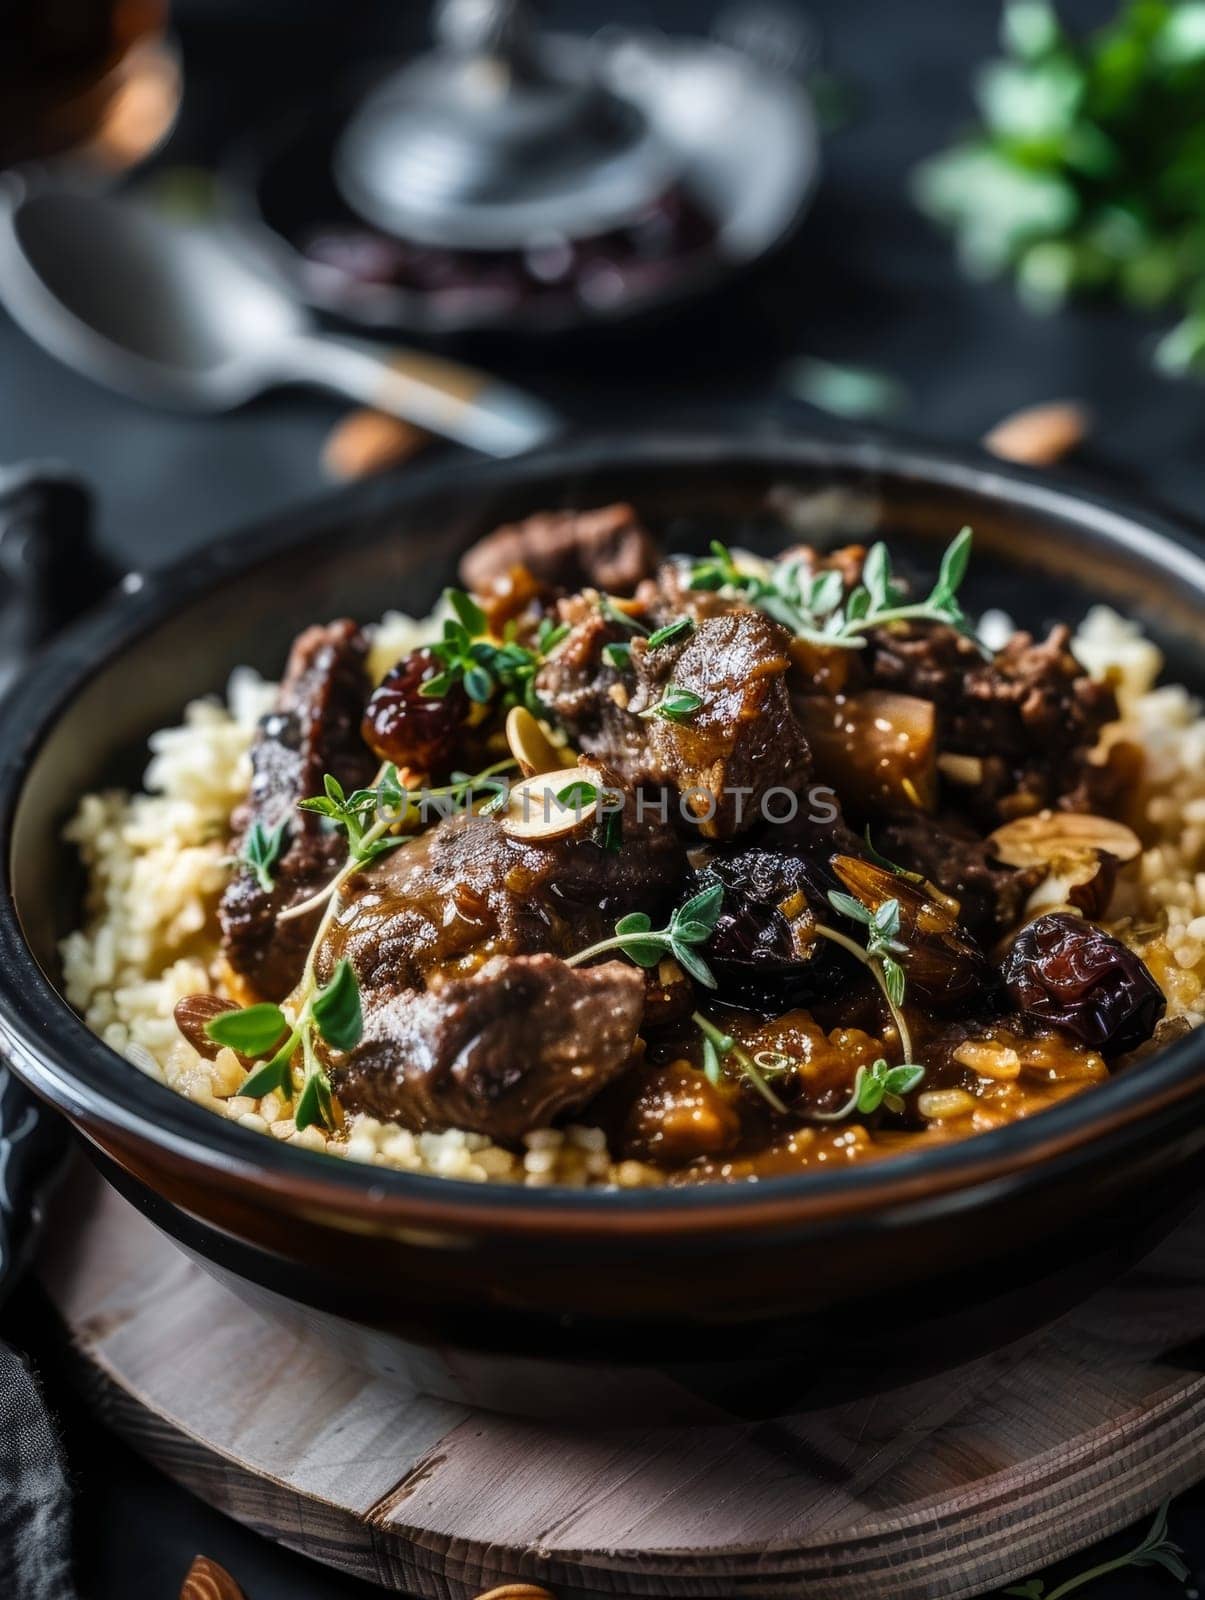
x=531, y=746
x=1049, y=837
x=1082, y=883
x=534, y=810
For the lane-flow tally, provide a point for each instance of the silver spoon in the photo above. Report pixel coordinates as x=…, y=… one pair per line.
x=176, y=316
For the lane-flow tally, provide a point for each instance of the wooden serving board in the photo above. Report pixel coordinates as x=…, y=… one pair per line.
x=941, y=1489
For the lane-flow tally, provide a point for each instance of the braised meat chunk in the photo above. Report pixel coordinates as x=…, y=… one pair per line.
x=588, y=694
x=708, y=717
x=313, y=729
x=467, y=890
x=605, y=549
x=525, y=1040
x=738, y=737
x=1029, y=715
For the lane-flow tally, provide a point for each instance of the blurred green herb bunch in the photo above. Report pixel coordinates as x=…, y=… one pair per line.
x=1087, y=172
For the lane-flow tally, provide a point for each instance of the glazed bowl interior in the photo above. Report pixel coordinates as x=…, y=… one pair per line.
x=85, y=710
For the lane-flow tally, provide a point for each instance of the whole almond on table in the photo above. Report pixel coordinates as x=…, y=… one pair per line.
x=206, y=1580
x=364, y=442
x=518, y=1591
x=1038, y=436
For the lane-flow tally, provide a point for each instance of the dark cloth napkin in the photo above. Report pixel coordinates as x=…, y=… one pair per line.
x=35, y=1501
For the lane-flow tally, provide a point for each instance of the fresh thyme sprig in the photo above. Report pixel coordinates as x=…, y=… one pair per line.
x=618, y=654
x=1154, y=1550
x=262, y=849
x=690, y=925
x=878, y=955
x=882, y=937
x=877, y=1085
x=486, y=666
x=333, y=1013
x=719, y=1046
x=386, y=799
x=814, y=606
x=393, y=806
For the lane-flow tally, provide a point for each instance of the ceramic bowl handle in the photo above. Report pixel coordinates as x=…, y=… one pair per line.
x=50, y=571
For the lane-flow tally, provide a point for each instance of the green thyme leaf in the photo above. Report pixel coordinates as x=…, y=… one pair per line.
x=825, y=593
x=902, y=1080
x=859, y=393
x=634, y=922
x=893, y=979
x=468, y=612
x=274, y=1074
x=885, y=922
x=262, y=850
x=478, y=685
x=953, y=569
x=870, y=1091
x=314, y=1104
x=671, y=633
x=320, y=804
x=337, y=1010
x=703, y=908
x=876, y=575
x=849, y=907
x=577, y=795
x=675, y=705
x=618, y=656
x=693, y=964
x=253, y=1031
x=711, y=1063
x=549, y=634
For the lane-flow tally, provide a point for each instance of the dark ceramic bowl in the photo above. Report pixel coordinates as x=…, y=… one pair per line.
x=691, y=1301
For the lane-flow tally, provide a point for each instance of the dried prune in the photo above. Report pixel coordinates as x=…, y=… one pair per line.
x=1071, y=973
x=409, y=728
x=765, y=952
x=944, y=965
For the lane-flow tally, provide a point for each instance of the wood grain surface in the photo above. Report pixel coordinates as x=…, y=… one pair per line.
x=939, y=1489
